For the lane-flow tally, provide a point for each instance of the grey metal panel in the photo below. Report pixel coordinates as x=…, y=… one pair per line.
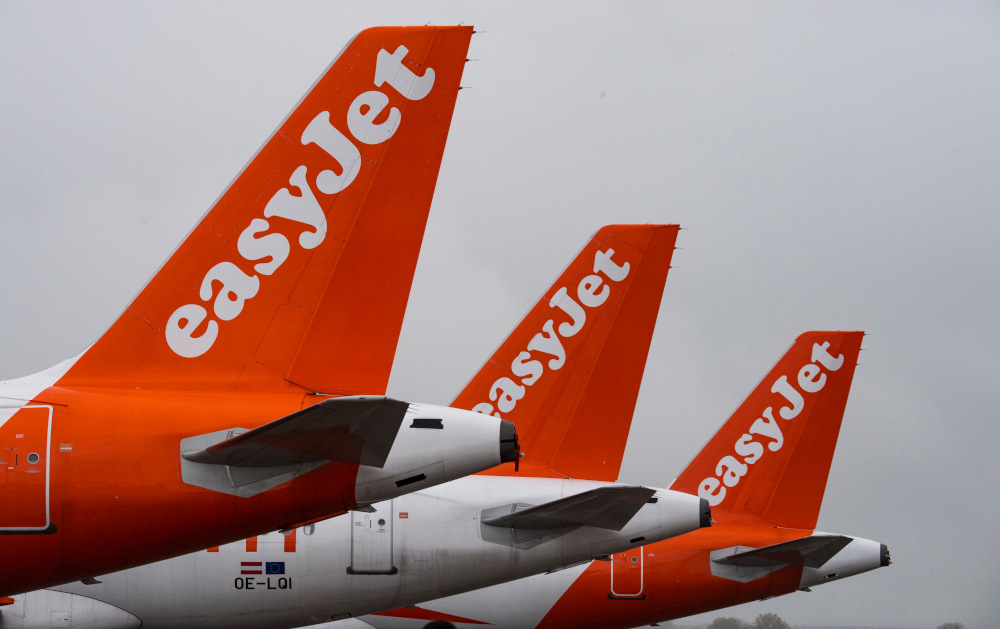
x=357, y=429
x=608, y=508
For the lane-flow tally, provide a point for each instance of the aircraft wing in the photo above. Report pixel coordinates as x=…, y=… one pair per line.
x=812, y=552
x=356, y=429
x=605, y=508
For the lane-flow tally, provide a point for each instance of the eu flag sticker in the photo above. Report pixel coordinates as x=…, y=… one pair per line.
x=274, y=567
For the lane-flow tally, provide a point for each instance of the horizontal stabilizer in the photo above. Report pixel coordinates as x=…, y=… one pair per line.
x=359, y=430
x=604, y=508
x=811, y=552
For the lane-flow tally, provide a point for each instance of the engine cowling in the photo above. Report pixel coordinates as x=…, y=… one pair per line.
x=436, y=444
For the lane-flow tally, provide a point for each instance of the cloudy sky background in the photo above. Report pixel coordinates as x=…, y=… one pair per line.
x=835, y=166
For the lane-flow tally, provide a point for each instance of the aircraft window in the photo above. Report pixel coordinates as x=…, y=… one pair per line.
x=635, y=559
x=32, y=458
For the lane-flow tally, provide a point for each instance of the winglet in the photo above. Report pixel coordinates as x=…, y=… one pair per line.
x=771, y=459
x=297, y=278
x=568, y=375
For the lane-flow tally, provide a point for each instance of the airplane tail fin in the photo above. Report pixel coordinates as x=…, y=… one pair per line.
x=298, y=277
x=772, y=457
x=568, y=375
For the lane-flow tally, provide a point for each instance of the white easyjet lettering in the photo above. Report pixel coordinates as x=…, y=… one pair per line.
x=300, y=206
x=274, y=246
x=604, y=264
x=749, y=449
x=577, y=316
x=811, y=378
x=821, y=354
x=729, y=470
x=361, y=118
x=505, y=392
x=326, y=136
x=524, y=366
x=789, y=393
x=301, y=209
x=547, y=342
x=711, y=489
x=591, y=292
x=529, y=365
x=181, y=328
x=237, y=287
x=390, y=68
x=769, y=428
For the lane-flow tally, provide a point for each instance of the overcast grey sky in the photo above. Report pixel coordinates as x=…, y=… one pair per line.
x=834, y=165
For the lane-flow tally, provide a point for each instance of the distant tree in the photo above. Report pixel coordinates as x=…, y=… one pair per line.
x=951, y=625
x=769, y=621
x=729, y=623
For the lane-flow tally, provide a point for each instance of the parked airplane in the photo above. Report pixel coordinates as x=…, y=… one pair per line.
x=764, y=474
x=206, y=413
x=586, y=340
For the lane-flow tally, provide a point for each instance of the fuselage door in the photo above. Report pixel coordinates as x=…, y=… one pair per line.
x=24, y=470
x=371, y=540
x=626, y=575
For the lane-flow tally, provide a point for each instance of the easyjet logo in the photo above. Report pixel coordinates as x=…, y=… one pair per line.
x=226, y=287
x=592, y=291
x=811, y=380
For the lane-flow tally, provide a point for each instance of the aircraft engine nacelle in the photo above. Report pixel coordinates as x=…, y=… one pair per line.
x=46, y=608
x=436, y=444
x=399, y=448
x=860, y=555
x=673, y=513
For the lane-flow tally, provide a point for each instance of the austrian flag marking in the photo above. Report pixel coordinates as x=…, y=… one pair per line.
x=251, y=567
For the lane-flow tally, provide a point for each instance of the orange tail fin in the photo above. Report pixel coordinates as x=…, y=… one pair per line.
x=771, y=459
x=568, y=375
x=298, y=277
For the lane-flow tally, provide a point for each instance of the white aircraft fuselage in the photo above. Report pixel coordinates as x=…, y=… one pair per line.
x=417, y=547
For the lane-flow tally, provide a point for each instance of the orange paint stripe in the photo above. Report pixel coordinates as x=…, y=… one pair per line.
x=290, y=541
x=251, y=544
x=213, y=549
x=419, y=613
